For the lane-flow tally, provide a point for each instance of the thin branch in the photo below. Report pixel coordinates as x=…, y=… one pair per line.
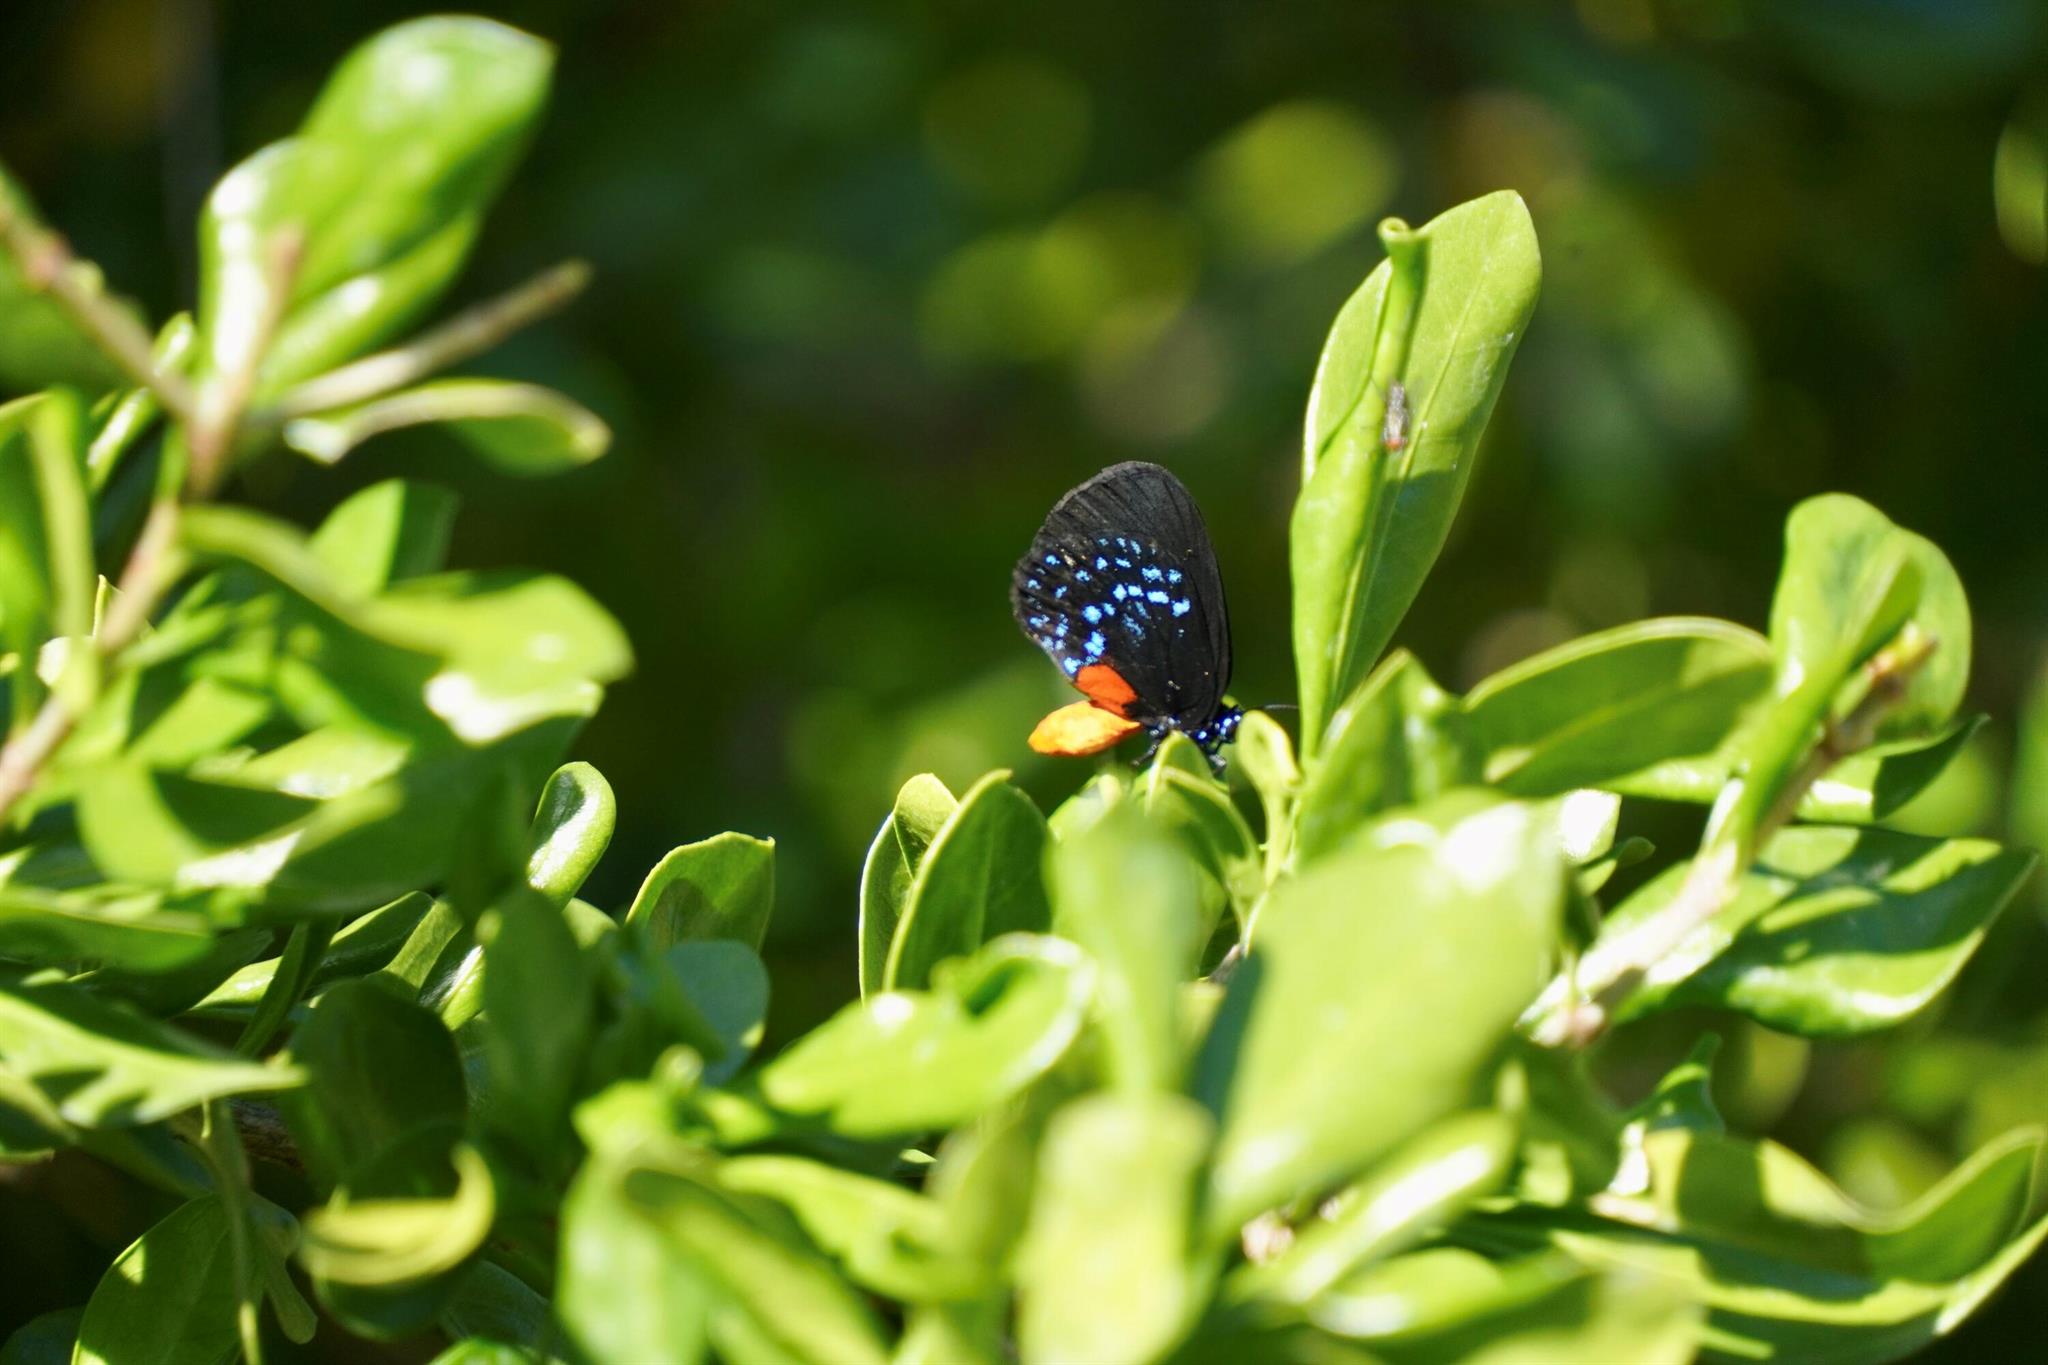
x=223, y=402
x=49, y=267
x=1718, y=869
x=148, y=573
x=462, y=336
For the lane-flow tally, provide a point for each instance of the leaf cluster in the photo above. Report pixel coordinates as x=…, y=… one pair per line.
x=1291, y=1067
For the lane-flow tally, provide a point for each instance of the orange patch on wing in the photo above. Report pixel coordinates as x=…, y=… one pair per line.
x=1080, y=729
x=1105, y=687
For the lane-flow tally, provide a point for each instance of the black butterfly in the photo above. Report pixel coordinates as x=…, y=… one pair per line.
x=1121, y=589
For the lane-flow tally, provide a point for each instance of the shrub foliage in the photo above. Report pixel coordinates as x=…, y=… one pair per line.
x=1289, y=1067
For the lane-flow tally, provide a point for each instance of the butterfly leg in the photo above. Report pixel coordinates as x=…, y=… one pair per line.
x=1158, y=734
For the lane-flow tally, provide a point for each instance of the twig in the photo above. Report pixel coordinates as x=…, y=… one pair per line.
x=462, y=336
x=217, y=418
x=48, y=266
x=143, y=581
x=1610, y=971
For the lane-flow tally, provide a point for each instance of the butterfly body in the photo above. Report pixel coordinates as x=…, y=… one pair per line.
x=1121, y=589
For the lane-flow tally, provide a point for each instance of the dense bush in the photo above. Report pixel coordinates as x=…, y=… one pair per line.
x=1291, y=1067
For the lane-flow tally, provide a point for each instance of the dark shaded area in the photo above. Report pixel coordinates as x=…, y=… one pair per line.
x=876, y=284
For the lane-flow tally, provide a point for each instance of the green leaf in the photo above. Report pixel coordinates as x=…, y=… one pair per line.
x=45, y=1339
x=1789, y=1267
x=624, y=1293
x=910, y=1061
x=1834, y=931
x=518, y=647
x=482, y=1351
x=104, y=1065
x=364, y=945
x=727, y=984
x=382, y=1070
x=386, y=1243
x=494, y=1303
x=979, y=879
x=571, y=829
x=1449, y=1305
x=47, y=579
x=1871, y=786
x=382, y=191
x=133, y=931
x=1108, y=1272
x=921, y=811
x=520, y=429
x=1427, y=1182
x=1851, y=580
x=1442, y=317
x=1617, y=702
x=787, y=1298
x=889, y=1239
x=121, y=421
x=1197, y=813
x=169, y=1296
x=1346, y=1031
x=1130, y=899
x=40, y=345
x=251, y=845
x=538, y=990
x=389, y=531
x=1397, y=740
x=1864, y=788
x=721, y=887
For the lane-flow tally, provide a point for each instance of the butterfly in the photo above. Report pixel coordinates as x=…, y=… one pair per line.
x=1121, y=589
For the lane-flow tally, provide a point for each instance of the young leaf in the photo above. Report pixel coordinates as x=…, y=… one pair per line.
x=1834, y=931
x=909, y=1061
x=978, y=880
x=1107, y=1272
x=1616, y=702
x=921, y=811
x=169, y=1296
x=1302, y=1066
x=721, y=887
x=520, y=429
x=570, y=831
x=1851, y=580
x=1441, y=317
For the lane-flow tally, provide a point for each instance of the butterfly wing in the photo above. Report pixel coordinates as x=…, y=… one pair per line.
x=1121, y=588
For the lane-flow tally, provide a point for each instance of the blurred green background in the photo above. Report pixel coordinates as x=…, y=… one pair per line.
x=877, y=283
